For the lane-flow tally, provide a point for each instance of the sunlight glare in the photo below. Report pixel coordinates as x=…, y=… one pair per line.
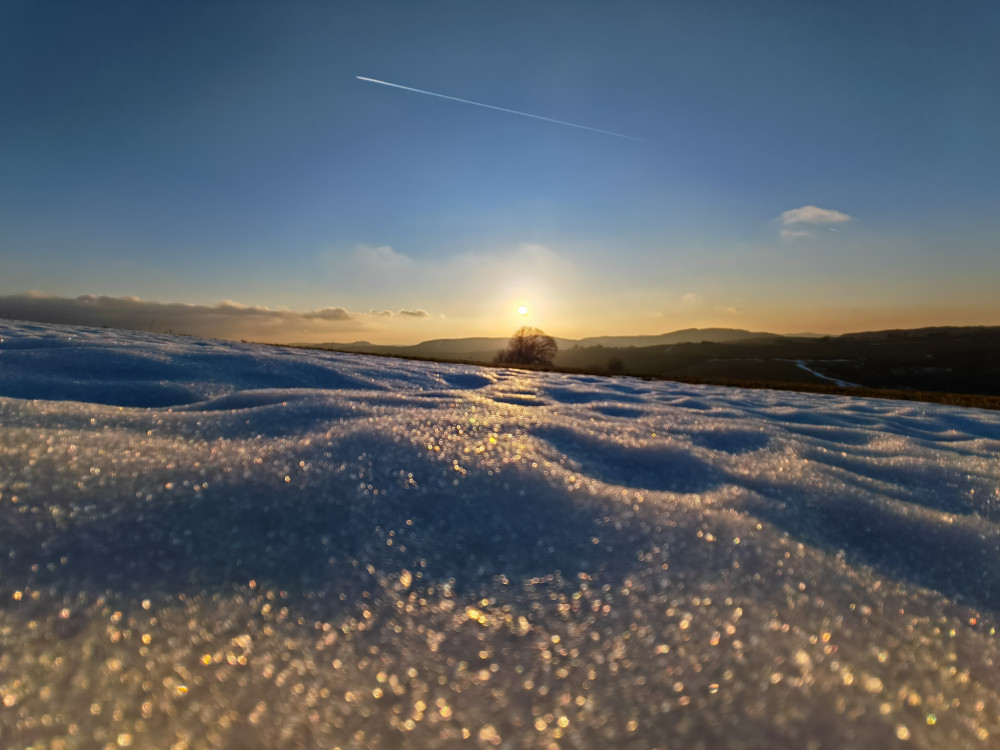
x=522, y=310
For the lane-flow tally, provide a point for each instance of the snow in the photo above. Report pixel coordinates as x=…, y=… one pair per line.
x=802, y=365
x=213, y=544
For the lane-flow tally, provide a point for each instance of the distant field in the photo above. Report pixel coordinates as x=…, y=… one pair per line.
x=959, y=366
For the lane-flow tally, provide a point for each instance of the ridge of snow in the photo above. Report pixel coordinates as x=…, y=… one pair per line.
x=225, y=544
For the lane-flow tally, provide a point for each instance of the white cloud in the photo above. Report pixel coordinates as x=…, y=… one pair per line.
x=813, y=215
x=484, y=280
x=691, y=298
x=478, y=284
x=380, y=259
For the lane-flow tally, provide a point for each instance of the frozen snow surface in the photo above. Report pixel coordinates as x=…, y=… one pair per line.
x=217, y=545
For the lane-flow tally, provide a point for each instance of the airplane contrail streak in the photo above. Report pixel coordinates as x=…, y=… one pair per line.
x=500, y=109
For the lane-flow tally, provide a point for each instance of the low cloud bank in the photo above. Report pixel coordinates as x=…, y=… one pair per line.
x=230, y=320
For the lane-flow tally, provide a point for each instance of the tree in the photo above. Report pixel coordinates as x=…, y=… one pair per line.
x=529, y=346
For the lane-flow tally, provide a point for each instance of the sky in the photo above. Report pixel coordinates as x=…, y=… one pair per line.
x=220, y=169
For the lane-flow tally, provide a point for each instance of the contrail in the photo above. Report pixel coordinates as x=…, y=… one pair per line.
x=501, y=109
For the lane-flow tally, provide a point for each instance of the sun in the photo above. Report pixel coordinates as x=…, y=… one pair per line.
x=522, y=310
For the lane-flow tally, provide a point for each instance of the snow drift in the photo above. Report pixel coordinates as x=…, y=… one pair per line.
x=211, y=544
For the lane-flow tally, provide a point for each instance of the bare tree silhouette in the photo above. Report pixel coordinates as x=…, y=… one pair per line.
x=529, y=346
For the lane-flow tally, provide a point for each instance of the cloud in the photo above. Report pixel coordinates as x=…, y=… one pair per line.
x=475, y=287
x=381, y=259
x=813, y=215
x=794, y=234
x=227, y=319
x=691, y=298
x=328, y=313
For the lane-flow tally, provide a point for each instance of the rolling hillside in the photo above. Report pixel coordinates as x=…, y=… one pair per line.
x=949, y=360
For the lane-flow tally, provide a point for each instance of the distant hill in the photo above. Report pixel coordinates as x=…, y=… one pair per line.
x=941, y=359
x=932, y=332
x=473, y=349
x=484, y=349
x=449, y=346
x=685, y=336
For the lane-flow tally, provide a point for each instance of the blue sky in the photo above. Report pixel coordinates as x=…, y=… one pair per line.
x=206, y=152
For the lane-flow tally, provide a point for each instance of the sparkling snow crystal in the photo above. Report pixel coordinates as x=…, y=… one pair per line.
x=209, y=544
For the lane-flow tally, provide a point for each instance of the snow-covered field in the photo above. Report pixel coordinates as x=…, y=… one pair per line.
x=210, y=544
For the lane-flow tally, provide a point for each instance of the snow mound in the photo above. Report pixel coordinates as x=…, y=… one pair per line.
x=212, y=544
